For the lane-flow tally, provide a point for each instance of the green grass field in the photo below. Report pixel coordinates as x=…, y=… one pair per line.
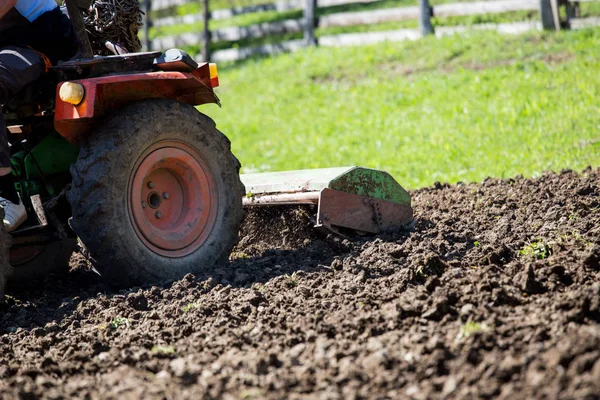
x=459, y=108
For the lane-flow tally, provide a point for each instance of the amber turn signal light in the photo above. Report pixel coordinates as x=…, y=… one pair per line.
x=214, y=75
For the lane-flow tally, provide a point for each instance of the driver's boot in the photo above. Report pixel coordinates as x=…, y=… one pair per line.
x=14, y=210
x=14, y=214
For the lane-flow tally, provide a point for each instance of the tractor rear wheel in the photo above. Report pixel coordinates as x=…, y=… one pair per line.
x=156, y=194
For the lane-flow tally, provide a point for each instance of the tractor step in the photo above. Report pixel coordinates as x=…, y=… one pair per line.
x=355, y=198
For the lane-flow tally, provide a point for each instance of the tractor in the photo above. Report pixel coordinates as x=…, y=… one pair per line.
x=111, y=155
x=110, y=152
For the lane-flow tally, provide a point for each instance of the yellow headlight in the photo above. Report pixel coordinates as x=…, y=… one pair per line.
x=71, y=93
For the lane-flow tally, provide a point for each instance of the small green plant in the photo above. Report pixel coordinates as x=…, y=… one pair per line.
x=476, y=243
x=236, y=255
x=470, y=328
x=574, y=235
x=160, y=349
x=259, y=287
x=538, y=250
x=118, y=322
x=190, y=306
x=292, y=279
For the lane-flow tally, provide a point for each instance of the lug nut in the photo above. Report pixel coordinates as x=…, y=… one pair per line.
x=158, y=215
x=165, y=195
x=143, y=204
x=150, y=185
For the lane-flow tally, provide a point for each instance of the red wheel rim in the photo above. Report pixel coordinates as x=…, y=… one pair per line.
x=172, y=199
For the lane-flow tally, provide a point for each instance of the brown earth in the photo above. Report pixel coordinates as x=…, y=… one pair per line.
x=494, y=292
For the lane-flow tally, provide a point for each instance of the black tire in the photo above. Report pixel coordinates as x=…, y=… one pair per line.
x=101, y=201
x=51, y=257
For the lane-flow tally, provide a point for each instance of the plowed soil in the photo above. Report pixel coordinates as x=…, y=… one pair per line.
x=494, y=291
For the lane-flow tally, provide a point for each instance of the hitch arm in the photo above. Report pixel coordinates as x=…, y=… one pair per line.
x=85, y=47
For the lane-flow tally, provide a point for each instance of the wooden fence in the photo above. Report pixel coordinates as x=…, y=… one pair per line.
x=548, y=9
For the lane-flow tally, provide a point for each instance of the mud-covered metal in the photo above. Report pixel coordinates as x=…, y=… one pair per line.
x=106, y=93
x=351, y=211
x=356, y=198
x=371, y=183
x=172, y=199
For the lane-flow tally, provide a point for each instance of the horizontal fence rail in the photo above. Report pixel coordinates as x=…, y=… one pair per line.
x=361, y=39
x=227, y=13
x=347, y=19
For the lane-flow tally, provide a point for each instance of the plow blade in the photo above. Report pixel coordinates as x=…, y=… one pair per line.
x=347, y=198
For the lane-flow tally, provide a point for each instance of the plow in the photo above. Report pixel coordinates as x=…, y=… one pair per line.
x=348, y=199
x=110, y=153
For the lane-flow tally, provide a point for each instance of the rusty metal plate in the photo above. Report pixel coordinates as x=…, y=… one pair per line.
x=350, y=211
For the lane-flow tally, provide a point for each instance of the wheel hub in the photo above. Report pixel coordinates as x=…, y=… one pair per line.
x=172, y=199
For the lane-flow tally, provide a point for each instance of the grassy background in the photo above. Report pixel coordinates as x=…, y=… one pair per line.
x=459, y=108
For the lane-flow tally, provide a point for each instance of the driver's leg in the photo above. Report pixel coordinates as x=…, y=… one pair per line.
x=18, y=68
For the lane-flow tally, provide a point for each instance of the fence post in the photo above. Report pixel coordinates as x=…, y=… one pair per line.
x=309, y=22
x=147, y=24
x=572, y=11
x=206, y=33
x=549, y=15
x=425, y=19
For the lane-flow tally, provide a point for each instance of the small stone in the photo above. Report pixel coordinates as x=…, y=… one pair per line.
x=412, y=390
x=163, y=375
x=373, y=361
x=297, y=350
x=596, y=371
x=178, y=366
x=449, y=386
x=467, y=309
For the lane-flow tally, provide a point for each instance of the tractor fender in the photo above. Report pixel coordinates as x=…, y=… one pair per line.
x=106, y=93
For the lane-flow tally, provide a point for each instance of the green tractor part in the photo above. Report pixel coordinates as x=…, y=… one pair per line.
x=39, y=170
x=354, y=198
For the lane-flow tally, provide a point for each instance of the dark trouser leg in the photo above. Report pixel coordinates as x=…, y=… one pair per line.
x=4, y=148
x=18, y=68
